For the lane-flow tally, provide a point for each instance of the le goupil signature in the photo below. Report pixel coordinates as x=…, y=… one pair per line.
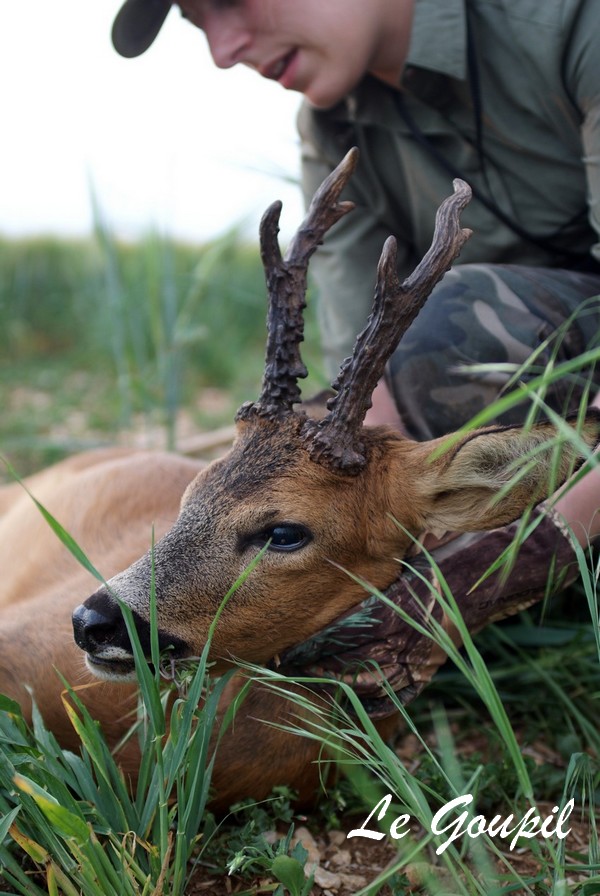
x=443, y=823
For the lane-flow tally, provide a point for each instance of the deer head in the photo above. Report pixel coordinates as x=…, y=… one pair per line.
x=321, y=496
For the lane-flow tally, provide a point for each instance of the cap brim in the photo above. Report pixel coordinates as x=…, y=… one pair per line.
x=137, y=24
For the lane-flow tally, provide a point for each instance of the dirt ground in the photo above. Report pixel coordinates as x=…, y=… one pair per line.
x=344, y=867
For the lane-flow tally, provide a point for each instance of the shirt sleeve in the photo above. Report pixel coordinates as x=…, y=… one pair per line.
x=582, y=80
x=591, y=158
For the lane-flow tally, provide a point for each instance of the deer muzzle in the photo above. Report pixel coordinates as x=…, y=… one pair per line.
x=99, y=629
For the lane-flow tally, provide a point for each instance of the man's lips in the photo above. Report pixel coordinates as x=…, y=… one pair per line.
x=275, y=70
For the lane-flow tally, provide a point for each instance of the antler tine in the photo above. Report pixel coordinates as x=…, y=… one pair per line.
x=286, y=289
x=335, y=440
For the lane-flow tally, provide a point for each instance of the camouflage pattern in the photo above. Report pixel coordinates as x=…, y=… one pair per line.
x=486, y=314
x=377, y=647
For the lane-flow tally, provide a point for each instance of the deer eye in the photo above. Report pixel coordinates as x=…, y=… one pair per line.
x=283, y=537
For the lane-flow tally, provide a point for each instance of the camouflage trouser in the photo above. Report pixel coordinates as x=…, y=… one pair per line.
x=486, y=314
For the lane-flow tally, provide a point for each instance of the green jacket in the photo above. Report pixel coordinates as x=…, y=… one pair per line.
x=537, y=69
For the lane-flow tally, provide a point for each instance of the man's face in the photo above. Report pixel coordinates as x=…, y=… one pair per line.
x=321, y=48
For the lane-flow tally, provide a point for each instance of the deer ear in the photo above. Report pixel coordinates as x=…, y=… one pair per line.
x=491, y=476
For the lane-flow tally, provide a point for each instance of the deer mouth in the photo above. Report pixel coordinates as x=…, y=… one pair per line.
x=111, y=669
x=99, y=629
x=123, y=667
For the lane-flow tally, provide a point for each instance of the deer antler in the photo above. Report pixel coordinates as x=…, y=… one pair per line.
x=286, y=287
x=335, y=440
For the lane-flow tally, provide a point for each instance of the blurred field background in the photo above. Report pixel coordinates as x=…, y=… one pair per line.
x=141, y=342
x=144, y=343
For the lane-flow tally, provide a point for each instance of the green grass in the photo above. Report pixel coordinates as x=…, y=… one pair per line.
x=75, y=816
x=516, y=726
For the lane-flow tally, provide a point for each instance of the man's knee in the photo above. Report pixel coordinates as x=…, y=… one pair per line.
x=491, y=315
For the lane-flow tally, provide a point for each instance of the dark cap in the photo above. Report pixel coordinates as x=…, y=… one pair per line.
x=137, y=24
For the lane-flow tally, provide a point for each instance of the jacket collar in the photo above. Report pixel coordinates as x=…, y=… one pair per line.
x=439, y=37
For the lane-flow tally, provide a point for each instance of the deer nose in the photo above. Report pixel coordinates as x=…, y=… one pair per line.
x=99, y=629
x=98, y=623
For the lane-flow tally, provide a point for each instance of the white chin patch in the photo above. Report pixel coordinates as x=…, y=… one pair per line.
x=111, y=669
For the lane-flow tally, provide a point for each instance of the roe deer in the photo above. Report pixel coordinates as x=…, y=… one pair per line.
x=323, y=495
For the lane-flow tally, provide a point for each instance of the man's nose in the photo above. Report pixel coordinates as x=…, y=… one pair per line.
x=228, y=36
